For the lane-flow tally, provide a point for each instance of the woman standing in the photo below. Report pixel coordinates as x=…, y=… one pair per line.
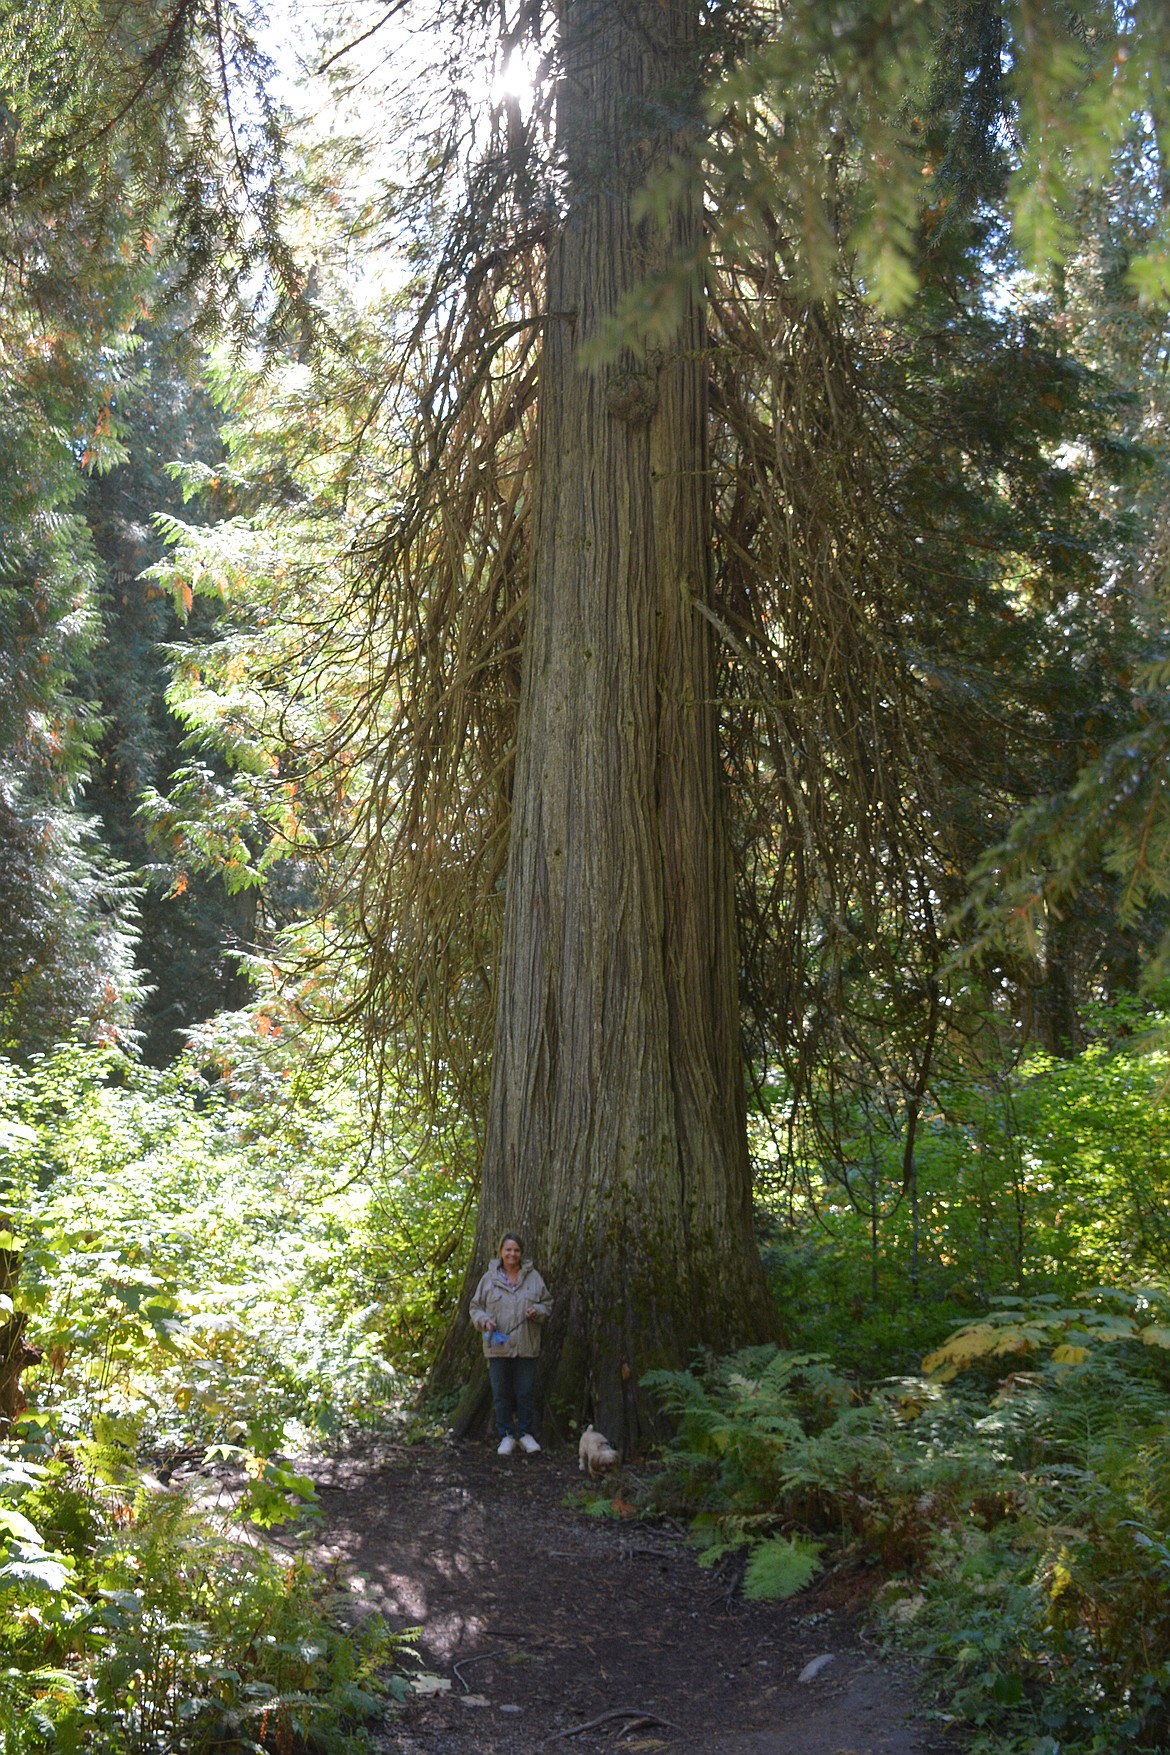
x=510, y=1303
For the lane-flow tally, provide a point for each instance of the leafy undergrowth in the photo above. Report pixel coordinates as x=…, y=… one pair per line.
x=130, y=1624
x=211, y=1260
x=1021, y=1524
x=200, y=1267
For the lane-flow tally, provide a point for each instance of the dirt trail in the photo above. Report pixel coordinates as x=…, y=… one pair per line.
x=560, y=1632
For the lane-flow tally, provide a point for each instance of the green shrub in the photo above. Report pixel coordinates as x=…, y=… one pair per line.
x=214, y=1272
x=1041, y=1179
x=1023, y=1522
x=191, y=1268
x=131, y=1624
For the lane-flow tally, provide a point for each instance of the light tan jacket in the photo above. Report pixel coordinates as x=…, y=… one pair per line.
x=507, y=1305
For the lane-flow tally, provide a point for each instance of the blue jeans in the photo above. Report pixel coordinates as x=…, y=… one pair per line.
x=512, y=1379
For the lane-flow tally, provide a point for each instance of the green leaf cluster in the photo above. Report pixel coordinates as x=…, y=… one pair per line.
x=1032, y=1182
x=780, y=1567
x=216, y=1267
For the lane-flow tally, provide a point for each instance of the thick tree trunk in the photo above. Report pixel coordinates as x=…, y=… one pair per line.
x=616, y=1138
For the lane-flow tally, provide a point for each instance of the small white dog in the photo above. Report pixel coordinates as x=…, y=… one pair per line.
x=595, y=1453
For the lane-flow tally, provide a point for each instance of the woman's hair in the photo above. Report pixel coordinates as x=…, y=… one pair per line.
x=512, y=1237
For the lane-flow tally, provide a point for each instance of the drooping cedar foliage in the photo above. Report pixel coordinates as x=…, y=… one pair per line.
x=873, y=488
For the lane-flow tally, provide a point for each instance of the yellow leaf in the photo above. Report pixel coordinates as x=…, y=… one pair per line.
x=1069, y=1355
x=968, y=1343
x=1059, y=1581
x=1014, y=1340
x=971, y=1343
x=1155, y=1336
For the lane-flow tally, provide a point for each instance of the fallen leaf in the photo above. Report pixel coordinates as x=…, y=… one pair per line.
x=428, y=1684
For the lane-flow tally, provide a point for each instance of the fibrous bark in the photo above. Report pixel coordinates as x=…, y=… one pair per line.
x=616, y=1134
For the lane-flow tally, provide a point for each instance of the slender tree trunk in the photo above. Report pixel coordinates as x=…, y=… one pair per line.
x=616, y=1137
x=1060, y=1031
x=16, y=1354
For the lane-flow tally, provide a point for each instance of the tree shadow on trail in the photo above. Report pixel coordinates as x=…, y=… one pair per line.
x=546, y=1627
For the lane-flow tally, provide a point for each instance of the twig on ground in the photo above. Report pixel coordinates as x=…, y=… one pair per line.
x=478, y=1658
x=638, y=1714
x=724, y=1581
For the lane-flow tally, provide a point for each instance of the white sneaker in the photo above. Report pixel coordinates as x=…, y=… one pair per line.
x=528, y=1443
x=506, y=1446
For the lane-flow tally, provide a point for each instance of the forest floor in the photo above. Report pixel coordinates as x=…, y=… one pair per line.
x=544, y=1628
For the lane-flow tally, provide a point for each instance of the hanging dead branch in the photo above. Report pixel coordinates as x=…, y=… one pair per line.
x=434, y=626
x=833, y=782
